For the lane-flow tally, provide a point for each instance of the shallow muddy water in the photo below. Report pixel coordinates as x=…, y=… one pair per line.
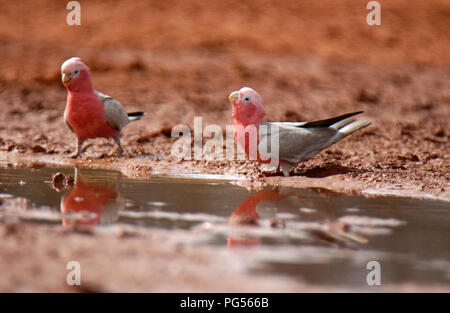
x=313, y=235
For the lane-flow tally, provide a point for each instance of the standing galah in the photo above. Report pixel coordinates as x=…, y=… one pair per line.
x=89, y=113
x=296, y=141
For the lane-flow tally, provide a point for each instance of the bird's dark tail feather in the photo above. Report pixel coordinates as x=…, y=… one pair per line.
x=134, y=116
x=330, y=121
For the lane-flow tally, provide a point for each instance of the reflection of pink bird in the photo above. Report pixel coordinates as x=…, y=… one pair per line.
x=246, y=214
x=89, y=113
x=297, y=142
x=85, y=197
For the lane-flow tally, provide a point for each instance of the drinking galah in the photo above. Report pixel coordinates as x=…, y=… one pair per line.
x=295, y=141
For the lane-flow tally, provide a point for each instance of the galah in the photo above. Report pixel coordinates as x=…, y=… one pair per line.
x=296, y=141
x=89, y=113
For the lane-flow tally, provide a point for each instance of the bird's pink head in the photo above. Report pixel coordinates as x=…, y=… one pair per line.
x=75, y=75
x=248, y=107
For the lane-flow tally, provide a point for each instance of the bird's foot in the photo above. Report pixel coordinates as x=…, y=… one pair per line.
x=77, y=152
x=120, y=148
x=285, y=168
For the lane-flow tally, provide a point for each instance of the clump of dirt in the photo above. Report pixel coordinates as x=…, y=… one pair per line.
x=61, y=181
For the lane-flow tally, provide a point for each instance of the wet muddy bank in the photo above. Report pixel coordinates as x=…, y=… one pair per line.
x=246, y=173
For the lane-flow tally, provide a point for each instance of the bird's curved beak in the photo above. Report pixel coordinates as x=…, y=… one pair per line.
x=233, y=96
x=65, y=79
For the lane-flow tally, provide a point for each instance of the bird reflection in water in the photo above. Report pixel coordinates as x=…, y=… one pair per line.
x=91, y=203
x=245, y=215
x=307, y=221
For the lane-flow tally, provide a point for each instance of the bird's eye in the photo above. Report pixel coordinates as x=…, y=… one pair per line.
x=76, y=72
x=247, y=99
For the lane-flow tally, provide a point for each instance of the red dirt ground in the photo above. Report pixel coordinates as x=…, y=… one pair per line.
x=180, y=59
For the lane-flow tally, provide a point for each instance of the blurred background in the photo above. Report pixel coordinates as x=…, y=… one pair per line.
x=309, y=59
x=179, y=59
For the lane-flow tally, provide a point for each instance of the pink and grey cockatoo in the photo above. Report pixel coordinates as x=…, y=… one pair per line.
x=89, y=113
x=296, y=141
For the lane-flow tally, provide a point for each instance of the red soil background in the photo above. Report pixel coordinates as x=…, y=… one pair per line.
x=180, y=59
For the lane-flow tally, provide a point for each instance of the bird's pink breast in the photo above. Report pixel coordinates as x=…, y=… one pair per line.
x=244, y=141
x=85, y=113
x=247, y=114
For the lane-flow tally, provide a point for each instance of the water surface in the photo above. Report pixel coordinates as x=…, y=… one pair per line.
x=313, y=235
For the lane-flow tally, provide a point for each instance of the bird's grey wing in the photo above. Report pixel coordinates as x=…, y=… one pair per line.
x=114, y=112
x=295, y=144
x=294, y=124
